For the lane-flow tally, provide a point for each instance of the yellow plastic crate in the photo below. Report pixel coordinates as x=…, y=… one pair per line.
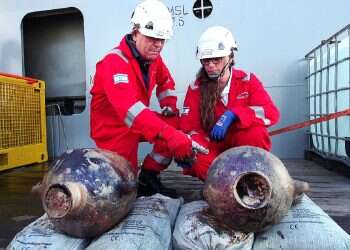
x=22, y=121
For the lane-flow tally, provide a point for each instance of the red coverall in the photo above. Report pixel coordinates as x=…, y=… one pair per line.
x=248, y=99
x=120, y=117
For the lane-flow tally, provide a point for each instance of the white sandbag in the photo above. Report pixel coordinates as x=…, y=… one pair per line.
x=40, y=234
x=305, y=227
x=148, y=226
x=193, y=232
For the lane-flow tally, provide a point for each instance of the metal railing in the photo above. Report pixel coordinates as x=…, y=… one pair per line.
x=327, y=94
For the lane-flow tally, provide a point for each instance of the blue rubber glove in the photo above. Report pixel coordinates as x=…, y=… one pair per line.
x=222, y=125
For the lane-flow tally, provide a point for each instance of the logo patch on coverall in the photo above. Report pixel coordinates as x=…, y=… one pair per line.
x=120, y=78
x=243, y=95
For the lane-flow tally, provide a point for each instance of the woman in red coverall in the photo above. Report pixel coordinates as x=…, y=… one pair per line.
x=225, y=107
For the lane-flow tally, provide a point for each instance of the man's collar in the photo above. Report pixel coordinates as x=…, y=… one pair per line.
x=132, y=45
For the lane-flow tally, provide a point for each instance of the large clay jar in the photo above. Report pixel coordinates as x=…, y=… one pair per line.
x=249, y=189
x=88, y=191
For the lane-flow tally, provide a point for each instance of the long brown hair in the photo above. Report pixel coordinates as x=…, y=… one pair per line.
x=209, y=92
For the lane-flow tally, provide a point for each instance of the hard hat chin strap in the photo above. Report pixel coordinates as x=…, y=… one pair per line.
x=217, y=76
x=213, y=76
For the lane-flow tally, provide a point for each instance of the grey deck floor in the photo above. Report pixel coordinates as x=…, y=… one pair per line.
x=18, y=206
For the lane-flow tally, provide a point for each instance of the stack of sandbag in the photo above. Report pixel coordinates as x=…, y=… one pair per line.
x=194, y=231
x=148, y=226
x=305, y=227
x=41, y=234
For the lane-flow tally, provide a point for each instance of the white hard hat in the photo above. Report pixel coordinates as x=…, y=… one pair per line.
x=154, y=19
x=216, y=41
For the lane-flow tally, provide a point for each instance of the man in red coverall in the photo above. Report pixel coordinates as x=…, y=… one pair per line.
x=225, y=107
x=123, y=84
